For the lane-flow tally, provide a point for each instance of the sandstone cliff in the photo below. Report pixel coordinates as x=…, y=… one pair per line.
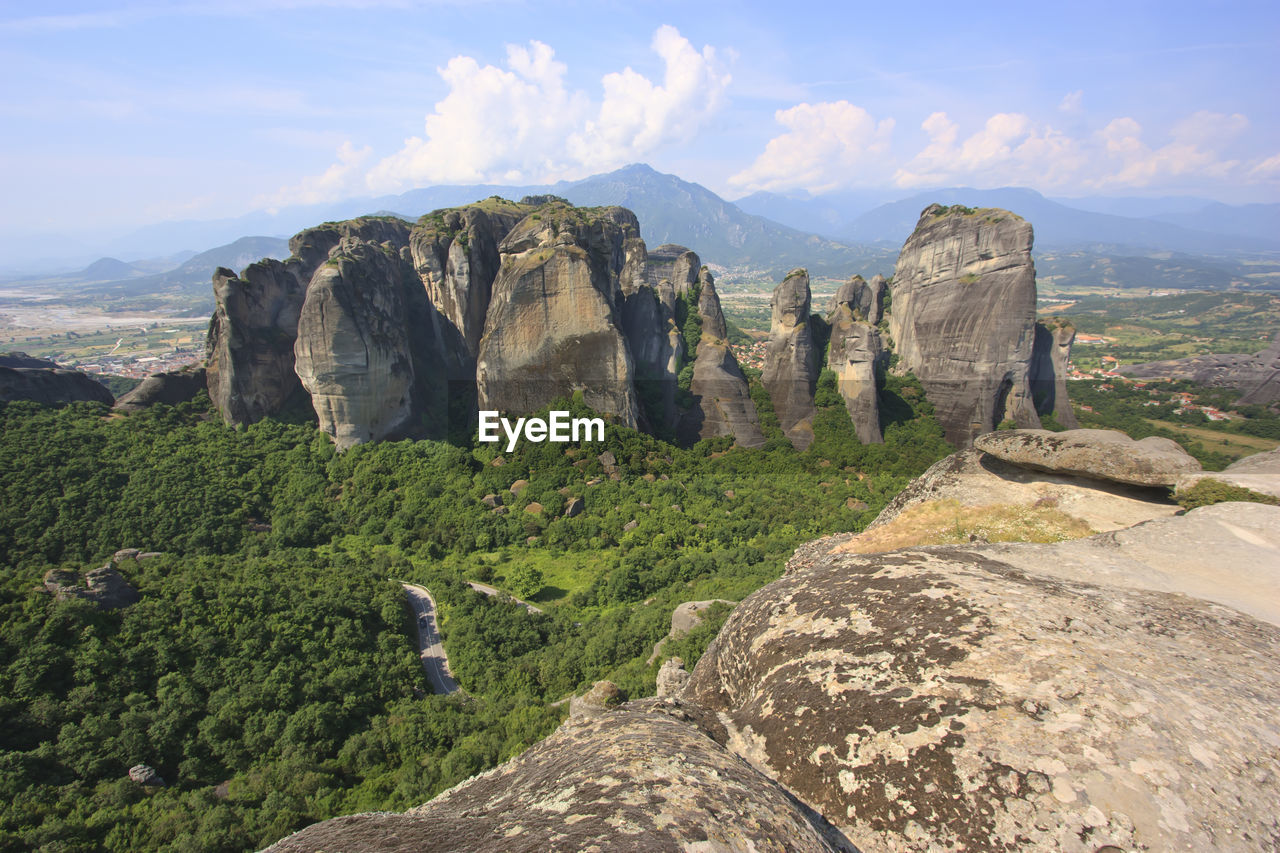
x=554, y=324
x=791, y=362
x=1052, y=352
x=856, y=354
x=721, y=400
x=963, y=317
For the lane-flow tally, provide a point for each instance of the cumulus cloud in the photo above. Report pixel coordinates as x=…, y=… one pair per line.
x=1192, y=152
x=343, y=178
x=1010, y=149
x=524, y=123
x=827, y=145
x=1070, y=102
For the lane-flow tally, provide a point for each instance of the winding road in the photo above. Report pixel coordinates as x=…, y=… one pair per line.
x=490, y=591
x=434, y=660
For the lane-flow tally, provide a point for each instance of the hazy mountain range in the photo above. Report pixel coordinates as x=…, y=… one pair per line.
x=1175, y=242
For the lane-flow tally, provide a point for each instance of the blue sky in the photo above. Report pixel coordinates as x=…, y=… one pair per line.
x=120, y=113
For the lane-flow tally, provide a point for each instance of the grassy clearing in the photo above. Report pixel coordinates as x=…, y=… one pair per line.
x=947, y=522
x=1231, y=444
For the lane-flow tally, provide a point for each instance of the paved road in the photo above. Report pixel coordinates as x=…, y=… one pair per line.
x=432, y=653
x=488, y=590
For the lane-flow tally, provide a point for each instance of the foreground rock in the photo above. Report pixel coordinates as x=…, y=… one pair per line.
x=50, y=386
x=170, y=388
x=640, y=778
x=963, y=317
x=790, y=373
x=965, y=698
x=1103, y=453
x=1259, y=473
x=1256, y=376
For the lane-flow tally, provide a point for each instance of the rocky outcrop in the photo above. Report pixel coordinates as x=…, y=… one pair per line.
x=51, y=386
x=963, y=317
x=1106, y=454
x=554, y=321
x=250, y=362
x=856, y=354
x=1033, y=697
x=721, y=401
x=864, y=298
x=675, y=264
x=1256, y=377
x=645, y=777
x=170, y=388
x=21, y=359
x=365, y=350
x=655, y=341
x=1051, y=355
x=1259, y=473
x=791, y=361
x=455, y=254
x=103, y=587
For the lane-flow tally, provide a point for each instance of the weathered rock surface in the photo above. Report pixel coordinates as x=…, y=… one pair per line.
x=1256, y=376
x=721, y=400
x=554, y=320
x=1029, y=697
x=856, y=355
x=971, y=478
x=675, y=264
x=672, y=678
x=790, y=373
x=51, y=386
x=1052, y=352
x=170, y=388
x=963, y=318
x=354, y=348
x=104, y=587
x=864, y=298
x=649, y=324
x=1102, y=453
x=1259, y=472
x=639, y=778
x=144, y=774
x=250, y=361
x=455, y=254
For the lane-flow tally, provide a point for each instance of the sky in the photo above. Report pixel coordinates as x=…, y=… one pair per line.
x=119, y=114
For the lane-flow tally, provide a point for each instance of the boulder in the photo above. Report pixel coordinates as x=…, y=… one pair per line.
x=602, y=697
x=1100, y=453
x=790, y=373
x=963, y=317
x=103, y=587
x=639, y=778
x=51, y=387
x=1033, y=697
x=170, y=388
x=145, y=775
x=672, y=678
x=554, y=321
x=574, y=507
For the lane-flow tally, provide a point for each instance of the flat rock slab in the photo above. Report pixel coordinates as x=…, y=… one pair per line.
x=964, y=698
x=1102, y=453
x=631, y=779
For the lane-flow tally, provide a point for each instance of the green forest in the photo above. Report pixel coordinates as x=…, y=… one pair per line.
x=269, y=673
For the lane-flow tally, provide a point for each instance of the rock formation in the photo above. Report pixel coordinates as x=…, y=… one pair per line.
x=864, y=298
x=963, y=317
x=645, y=777
x=1259, y=472
x=649, y=323
x=21, y=359
x=1256, y=376
x=455, y=254
x=791, y=362
x=1029, y=697
x=856, y=354
x=250, y=362
x=721, y=400
x=554, y=321
x=49, y=385
x=170, y=388
x=1051, y=354
x=1103, y=453
x=675, y=264
x=103, y=587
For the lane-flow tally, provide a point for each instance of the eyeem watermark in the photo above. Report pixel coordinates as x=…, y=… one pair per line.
x=559, y=427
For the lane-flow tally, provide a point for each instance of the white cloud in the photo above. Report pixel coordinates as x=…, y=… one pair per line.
x=1192, y=153
x=524, y=124
x=344, y=178
x=1071, y=101
x=1268, y=168
x=827, y=145
x=1009, y=150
